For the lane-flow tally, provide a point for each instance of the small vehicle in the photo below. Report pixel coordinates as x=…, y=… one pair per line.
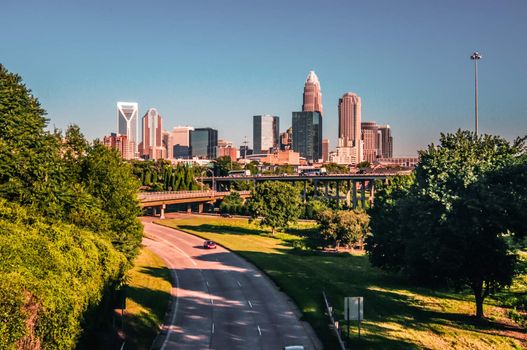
x=209, y=245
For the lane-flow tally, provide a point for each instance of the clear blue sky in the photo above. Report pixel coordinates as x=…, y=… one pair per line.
x=218, y=63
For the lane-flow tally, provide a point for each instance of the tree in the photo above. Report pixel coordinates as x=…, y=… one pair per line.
x=232, y=203
x=275, y=204
x=343, y=227
x=224, y=164
x=445, y=228
x=334, y=168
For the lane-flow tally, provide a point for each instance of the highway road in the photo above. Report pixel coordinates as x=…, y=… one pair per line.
x=220, y=301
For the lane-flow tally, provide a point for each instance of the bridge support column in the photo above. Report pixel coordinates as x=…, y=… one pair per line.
x=163, y=207
x=200, y=208
x=363, y=194
x=372, y=192
x=305, y=191
x=337, y=183
x=315, y=185
x=326, y=184
x=154, y=211
x=355, y=195
x=189, y=208
x=348, y=193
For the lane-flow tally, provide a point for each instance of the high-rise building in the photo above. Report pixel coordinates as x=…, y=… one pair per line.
x=152, y=145
x=203, y=143
x=265, y=133
x=307, y=135
x=119, y=143
x=179, y=142
x=370, y=139
x=350, y=122
x=346, y=153
x=325, y=150
x=227, y=149
x=386, y=141
x=286, y=139
x=127, y=123
x=312, y=94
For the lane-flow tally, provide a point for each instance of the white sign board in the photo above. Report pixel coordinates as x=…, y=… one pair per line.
x=353, y=308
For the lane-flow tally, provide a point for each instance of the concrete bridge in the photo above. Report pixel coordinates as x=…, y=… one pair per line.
x=159, y=200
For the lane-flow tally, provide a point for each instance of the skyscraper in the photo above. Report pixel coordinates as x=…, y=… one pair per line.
x=350, y=122
x=307, y=135
x=265, y=133
x=203, y=143
x=325, y=150
x=127, y=122
x=179, y=142
x=152, y=145
x=386, y=141
x=312, y=94
x=370, y=138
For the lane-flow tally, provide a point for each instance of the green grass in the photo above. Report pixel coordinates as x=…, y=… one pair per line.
x=148, y=294
x=397, y=314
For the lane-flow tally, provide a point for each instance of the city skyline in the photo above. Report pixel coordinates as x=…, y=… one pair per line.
x=401, y=61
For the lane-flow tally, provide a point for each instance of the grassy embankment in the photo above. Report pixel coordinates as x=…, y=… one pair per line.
x=397, y=314
x=148, y=294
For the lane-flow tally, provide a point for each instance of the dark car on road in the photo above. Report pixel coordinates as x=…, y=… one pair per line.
x=209, y=245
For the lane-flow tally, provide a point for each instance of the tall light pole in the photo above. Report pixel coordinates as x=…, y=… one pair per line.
x=476, y=56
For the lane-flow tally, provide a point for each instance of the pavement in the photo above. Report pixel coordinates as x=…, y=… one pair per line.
x=221, y=301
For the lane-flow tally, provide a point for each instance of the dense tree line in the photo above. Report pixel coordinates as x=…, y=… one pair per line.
x=450, y=225
x=68, y=225
x=161, y=175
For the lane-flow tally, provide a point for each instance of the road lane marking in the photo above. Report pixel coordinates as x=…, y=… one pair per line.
x=259, y=330
x=212, y=327
x=173, y=317
x=239, y=284
x=251, y=305
x=207, y=283
x=212, y=301
x=182, y=252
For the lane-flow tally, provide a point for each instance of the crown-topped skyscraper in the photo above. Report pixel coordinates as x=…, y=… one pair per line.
x=312, y=94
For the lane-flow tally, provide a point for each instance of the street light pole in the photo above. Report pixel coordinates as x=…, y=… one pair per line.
x=476, y=56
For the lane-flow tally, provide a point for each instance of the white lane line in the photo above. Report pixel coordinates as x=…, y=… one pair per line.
x=239, y=284
x=259, y=330
x=182, y=252
x=212, y=301
x=251, y=305
x=207, y=283
x=212, y=327
x=173, y=316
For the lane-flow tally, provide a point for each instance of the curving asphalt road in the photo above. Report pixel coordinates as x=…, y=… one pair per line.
x=220, y=301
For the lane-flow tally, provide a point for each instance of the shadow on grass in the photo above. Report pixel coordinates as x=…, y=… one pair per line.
x=210, y=228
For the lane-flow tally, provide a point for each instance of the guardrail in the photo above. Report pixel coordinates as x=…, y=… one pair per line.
x=329, y=310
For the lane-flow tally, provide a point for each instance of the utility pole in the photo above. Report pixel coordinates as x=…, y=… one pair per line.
x=476, y=56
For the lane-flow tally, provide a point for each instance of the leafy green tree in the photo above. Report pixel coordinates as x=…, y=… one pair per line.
x=275, y=204
x=232, y=203
x=445, y=228
x=224, y=164
x=334, y=168
x=252, y=167
x=343, y=227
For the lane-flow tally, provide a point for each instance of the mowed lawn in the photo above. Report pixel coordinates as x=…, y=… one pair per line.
x=148, y=293
x=397, y=314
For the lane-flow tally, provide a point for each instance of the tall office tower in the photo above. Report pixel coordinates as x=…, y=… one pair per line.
x=152, y=145
x=127, y=122
x=119, y=143
x=350, y=122
x=325, y=150
x=370, y=138
x=265, y=133
x=179, y=142
x=386, y=141
x=203, y=143
x=307, y=135
x=227, y=149
x=312, y=94
x=286, y=139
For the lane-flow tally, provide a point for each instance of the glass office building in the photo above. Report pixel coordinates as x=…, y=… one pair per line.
x=203, y=143
x=307, y=135
x=265, y=133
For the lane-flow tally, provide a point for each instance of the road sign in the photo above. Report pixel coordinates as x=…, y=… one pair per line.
x=353, y=308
